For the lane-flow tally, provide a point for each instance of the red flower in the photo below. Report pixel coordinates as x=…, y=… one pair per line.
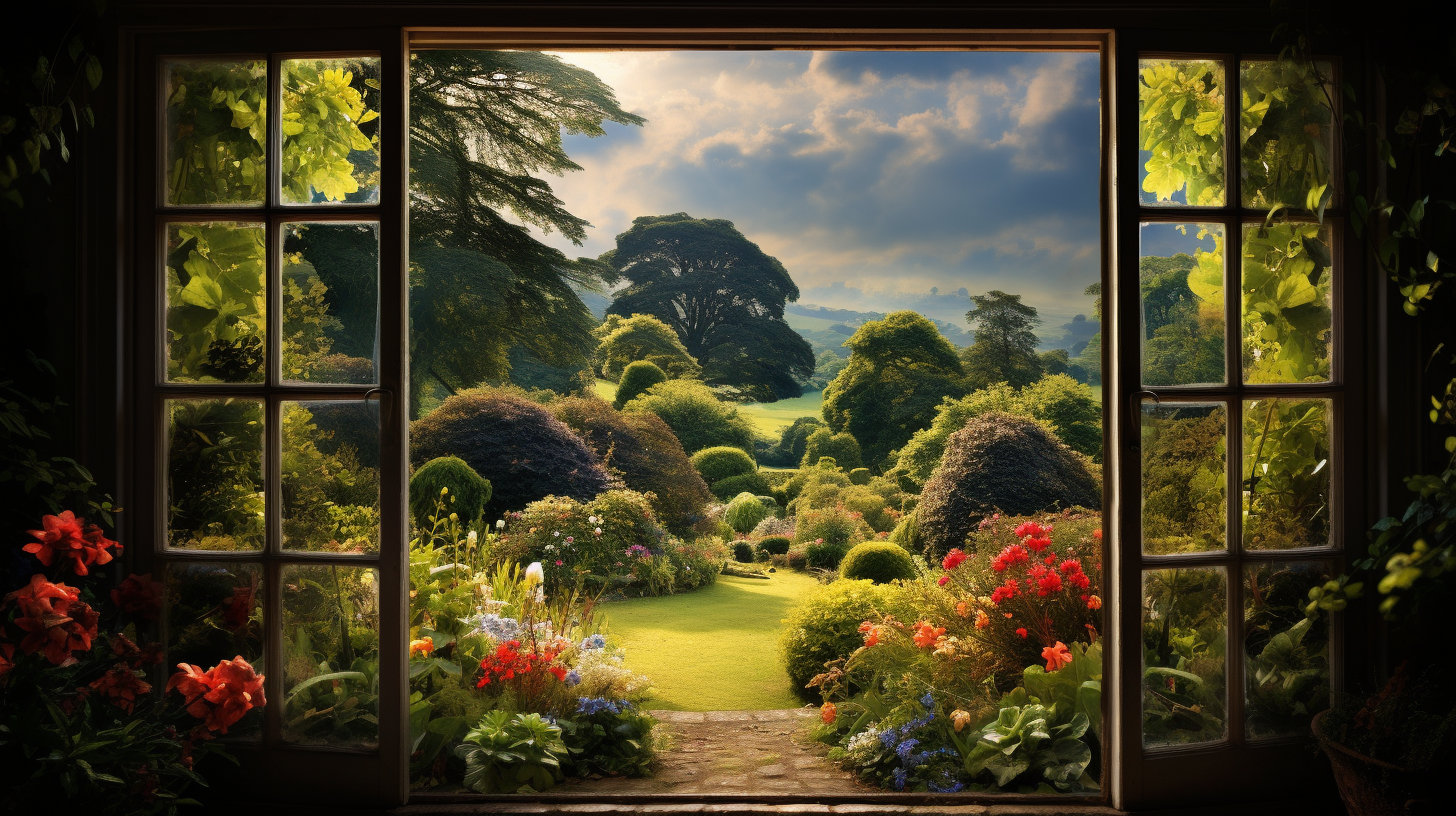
x=7, y=651
x=1047, y=584
x=65, y=537
x=871, y=633
x=926, y=635
x=121, y=686
x=1093, y=602
x=953, y=559
x=1030, y=529
x=221, y=695
x=944, y=579
x=1005, y=592
x=1097, y=534
x=1057, y=657
x=1080, y=580
x=1038, y=543
x=138, y=596
x=54, y=619
x=558, y=672
x=1071, y=565
x=1021, y=633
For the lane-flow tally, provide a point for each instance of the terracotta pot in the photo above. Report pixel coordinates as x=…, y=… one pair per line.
x=1368, y=786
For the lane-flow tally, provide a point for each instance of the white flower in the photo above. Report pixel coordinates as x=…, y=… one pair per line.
x=598, y=531
x=471, y=538
x=556, y=534
x=500, y=524
x=592, y=519
x=534, y=573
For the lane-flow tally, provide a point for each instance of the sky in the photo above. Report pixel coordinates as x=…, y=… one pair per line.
x=873, y=176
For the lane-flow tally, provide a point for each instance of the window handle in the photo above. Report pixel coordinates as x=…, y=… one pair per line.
x=386, y=402
x=1135, y=415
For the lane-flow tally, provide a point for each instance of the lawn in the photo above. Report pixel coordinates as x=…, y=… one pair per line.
x=767, y=418
x=714, y=649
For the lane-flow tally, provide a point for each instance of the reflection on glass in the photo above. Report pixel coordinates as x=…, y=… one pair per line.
x=331, y=655
x=1286, y=655
x=216, y=302
x=1181, y=279
x=1184, y=482
x=216, y=134
x=1181, y=132
x=1286, y=473
x=214, y=612
x=215, y=474
x=330, y=302
x=331, y=131
x=331, y=476
x=1183, y=655
x=1285, y=133
x=1287, y=319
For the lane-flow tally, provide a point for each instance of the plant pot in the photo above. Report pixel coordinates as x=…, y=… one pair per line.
x=1368, y=786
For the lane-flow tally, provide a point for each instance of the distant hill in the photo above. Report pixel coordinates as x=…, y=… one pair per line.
x=827, y=329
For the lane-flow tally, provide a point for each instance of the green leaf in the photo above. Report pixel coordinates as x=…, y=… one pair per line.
x=93, y=71
x=75, y=48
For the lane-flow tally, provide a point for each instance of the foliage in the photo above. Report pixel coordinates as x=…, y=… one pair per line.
x=743, y=552
x=796, y=436
x=641, y=338
x=1024, y=742
x=879, y=502
x=836, y=527
x=841, y=447
x=637, y=377
x=1183, y=482
x=1410, y=723
x=880, y=563
x=1285, y=652
x=330, y=499
x=824, y=626
x=524, y=451
x=999, y=462
x=1005, y=347
x=727, y=488
x=448, y=477
x=214, y=458
x=512, y=753
x=821, y=554
x=860, y=476
x=718, y=463
x=1183, y=656
x=608, y=742
x=1181, y=108
x=695, y=414
x=1287, y=486
x=722, y=296
x=1182, y=330
x=745, y=512
x=1071, y=410
x=774, y=544
x=640, y=449
x=215, y=298
x=907, y=534
x=899, y=369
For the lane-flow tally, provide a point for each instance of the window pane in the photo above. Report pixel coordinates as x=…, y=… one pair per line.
x=331, y=131
x=215, y=474
x=1287, y=319
x=331, y=655
x=214, y=612
x=1286, y=655
x=1181, y=278
x=1285, y=134
x=331, y=476
x=1181, y=132
x=1286, y=473
x=1184, y=479
x=216, y=302
x=1183, y=655
x=216, y=135
x=330, y=302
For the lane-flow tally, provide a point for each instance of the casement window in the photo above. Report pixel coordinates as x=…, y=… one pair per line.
x=225, y=241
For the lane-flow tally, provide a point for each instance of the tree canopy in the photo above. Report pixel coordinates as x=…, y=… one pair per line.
x=1005, y=347
x=625, y=340
x=721, y=294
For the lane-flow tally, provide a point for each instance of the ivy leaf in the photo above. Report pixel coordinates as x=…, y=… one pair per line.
x=93, y=71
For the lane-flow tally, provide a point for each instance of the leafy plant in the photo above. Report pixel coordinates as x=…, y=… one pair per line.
x=613, y=743
x=512, y=753
x=1029, y=741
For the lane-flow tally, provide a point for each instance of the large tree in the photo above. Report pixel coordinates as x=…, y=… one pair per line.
x=722, y=295
x=484, y=125
x=899, y=370
x=1005, y=347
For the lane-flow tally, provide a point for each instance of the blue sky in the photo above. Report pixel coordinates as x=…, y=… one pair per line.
x=873, y=176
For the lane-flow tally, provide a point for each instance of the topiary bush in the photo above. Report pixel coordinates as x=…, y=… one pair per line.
x=733, y=485
x=468, y=492
x=877, y=561
x=695, y=414
x=826, y=555
x=824, y=626
x=718, y=463
x=743, y=552
x=860, y=476
x=1000, y=462
x=745, y=512
x=774, y=545
x=841, y=446
x=636, y=378
x=642, y=449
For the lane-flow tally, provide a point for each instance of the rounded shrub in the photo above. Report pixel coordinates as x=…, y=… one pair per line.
x=468, y=493
x=743, y=552
x=769, y=502
x=832, y=524
x=733, y=485
x=637, y=377
x=745, y=512
x=841, y=446
x=825, y=555
x=860, y=476
x=720, y=462
x=562, y=529
x=695, y=414
x=774, y=545
x=877, y=561
x=824, y=626
x=797, y=558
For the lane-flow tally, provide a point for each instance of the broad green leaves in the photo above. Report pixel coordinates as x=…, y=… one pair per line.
x=216, y=302
x=1285, y=134
x=1181, y=115
x=326, y=156
x=1287, y=317
x=1286, y=473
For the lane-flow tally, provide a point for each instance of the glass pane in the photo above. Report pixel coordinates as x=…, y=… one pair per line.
x=331, y=655
x=331, y=476
x=1286, y=473
x=1181, y=278
x=215, y=474
x=330, y=302
x=1285, y=133
x=331, y=131
x=1183, y=655
x=214, y=612
x=1286, y=655
x=216, y=302
x=1181, y=132
x=1287, y=320
x=1184, y=478
x=216, y=135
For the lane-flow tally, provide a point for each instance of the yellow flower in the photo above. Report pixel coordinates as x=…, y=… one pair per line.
x=960, y=718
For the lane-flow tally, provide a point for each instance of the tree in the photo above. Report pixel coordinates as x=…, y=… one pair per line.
x=722, y=296
x=625, y=340
x=796, y=436
x=483, y=125
x=695, y=414
x=636, y=378
x=899, y=369
x=1005, y=347
x=841, y=447
x=1056, y=361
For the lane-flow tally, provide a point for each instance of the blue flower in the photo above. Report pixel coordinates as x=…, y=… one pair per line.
x=889, y=737
x=900, y=776
x=905, y=748
x=592, y=643
x=497, y=627
x=573, y=678
x=596, y=705
x=928, y=701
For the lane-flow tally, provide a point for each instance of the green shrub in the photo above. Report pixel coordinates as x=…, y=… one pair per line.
x=507, y=752
x=733, y=485
x=695, y=414
x=718, y=463
x=636, y=378
x=831, y=524
x=796, y=436
x=745, y=512
x=774, y=545
x=907, y=534
x=825, y=555
x=743, y=552
x=840, y=446
x=877, y=561
x=797, y=558
x=860, y=476
x=468, y=492
x=824, y=626
x=561, y=529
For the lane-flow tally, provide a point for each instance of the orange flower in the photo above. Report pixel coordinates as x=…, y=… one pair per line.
x=422, y=647
x=960, y=719
x=1094, y=602
x=926, y=635
x=982, y=621
x=1057, y=657
x=68, y=537
x=121, y=686
x=221, y=695
x=54, y=619
x=828, y=712
x=871, y=633
x=963, y=609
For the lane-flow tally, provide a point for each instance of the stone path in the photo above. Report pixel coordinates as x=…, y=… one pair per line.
x=734, y=753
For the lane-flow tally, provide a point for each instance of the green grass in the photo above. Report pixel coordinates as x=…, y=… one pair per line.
x=713, y=649
x=767, y=418
x=606, y=389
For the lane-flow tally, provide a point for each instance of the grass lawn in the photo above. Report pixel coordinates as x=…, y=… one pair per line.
x=713, y=649
x=767, y=418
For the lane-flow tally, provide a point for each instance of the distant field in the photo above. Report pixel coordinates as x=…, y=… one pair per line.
x=768, y=418
x=798, y=321
x=606, y=389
